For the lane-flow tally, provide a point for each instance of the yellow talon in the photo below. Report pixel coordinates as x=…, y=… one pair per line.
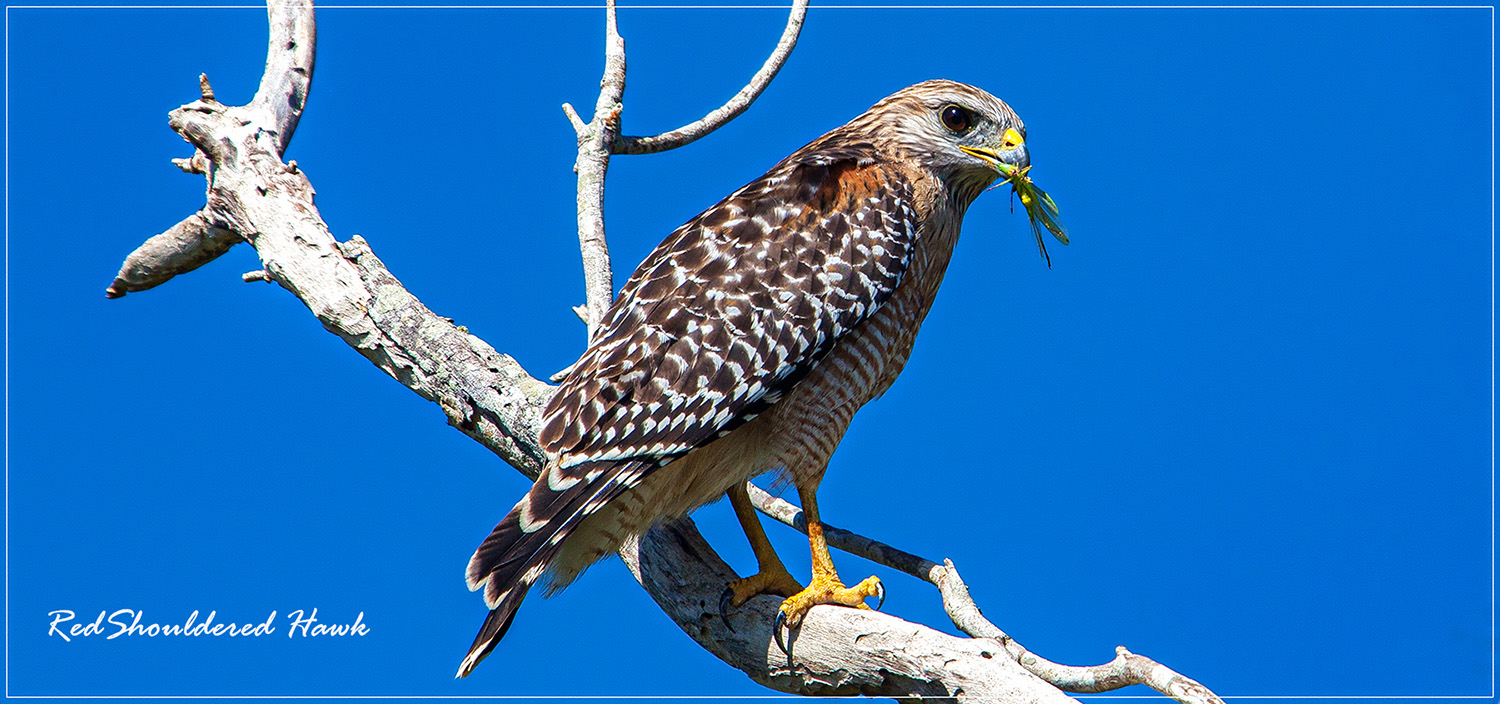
x=829, y=590
x=825, y=587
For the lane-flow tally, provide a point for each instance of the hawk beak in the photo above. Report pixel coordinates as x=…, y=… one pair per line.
x=1010, y=155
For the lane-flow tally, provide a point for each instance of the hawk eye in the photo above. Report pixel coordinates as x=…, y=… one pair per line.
x=957, y=119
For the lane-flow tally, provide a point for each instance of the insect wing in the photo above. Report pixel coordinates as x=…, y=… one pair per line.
x=1041, y=210
x=1046, y=212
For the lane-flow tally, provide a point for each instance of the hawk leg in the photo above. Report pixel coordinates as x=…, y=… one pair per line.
x=825, y=587
x=772, y=577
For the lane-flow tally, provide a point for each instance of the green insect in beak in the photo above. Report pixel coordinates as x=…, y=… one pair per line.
x=1041, y=210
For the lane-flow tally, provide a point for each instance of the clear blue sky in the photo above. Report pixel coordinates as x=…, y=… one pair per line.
x=1243, y=425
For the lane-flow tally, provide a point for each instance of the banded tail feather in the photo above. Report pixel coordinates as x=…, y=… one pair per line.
x=523, y=545
x=494, y=628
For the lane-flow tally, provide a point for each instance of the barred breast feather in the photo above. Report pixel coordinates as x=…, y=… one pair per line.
x=719, y=322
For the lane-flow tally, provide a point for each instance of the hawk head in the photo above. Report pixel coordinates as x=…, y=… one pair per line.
x=965, y=139
x=959, y=133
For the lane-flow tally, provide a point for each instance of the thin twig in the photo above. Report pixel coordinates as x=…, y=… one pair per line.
x=687, y=134
x=852, y=543
x=1126, y=669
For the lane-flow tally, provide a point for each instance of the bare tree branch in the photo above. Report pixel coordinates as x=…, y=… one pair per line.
x=253, y=196
x=687, y=134
x=1126, y=669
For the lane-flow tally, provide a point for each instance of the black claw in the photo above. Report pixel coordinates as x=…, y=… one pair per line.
x=776, y=632
x=724, y=600
x=880, y=595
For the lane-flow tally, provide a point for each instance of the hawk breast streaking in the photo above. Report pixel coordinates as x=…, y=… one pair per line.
x=746, y=342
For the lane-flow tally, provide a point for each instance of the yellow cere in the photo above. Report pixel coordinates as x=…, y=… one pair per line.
x=1011, y=139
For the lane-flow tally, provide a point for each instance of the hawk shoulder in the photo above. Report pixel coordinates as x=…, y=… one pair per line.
x=736, y=306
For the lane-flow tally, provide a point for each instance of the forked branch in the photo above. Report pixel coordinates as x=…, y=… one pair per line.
x=600, y=137
x=720, y=116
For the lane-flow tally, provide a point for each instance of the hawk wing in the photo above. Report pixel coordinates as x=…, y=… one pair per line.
x=716, y=325
x=735, y=307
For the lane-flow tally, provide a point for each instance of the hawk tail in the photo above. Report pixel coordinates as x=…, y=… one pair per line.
x=524, y=544
x=489, y=636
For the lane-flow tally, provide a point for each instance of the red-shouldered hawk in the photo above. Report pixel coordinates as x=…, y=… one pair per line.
x=746, y=342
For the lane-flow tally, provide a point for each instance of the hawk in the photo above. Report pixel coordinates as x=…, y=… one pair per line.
x=746, y=342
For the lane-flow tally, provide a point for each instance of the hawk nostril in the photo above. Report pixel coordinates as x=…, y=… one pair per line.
x=1012, y=139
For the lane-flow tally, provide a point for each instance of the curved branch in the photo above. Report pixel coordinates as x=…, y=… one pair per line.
x=289, y=66
x=687, y=134
x=600, y=137
x=1126, y=669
